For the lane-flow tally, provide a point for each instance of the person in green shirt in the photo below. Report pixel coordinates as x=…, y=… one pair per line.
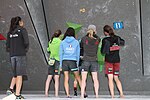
x=53, y=70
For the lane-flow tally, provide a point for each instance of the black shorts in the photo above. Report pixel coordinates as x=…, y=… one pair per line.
x=53, y=70
x=69, y=65
x=89, y=66
x=19, y=64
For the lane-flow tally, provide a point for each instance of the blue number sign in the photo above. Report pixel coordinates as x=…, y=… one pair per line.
x=118, y=25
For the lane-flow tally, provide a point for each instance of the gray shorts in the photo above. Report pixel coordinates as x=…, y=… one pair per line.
x=89, y=66
x=19, y=64
x=52, y=69
x=69, y=65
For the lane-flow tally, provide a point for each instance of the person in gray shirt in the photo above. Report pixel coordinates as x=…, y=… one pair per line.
x=89, y=46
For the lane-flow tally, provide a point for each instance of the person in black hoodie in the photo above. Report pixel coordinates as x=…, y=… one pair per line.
x=110, y=47
x=17, y=45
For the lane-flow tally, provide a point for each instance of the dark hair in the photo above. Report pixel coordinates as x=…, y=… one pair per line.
x=109, y=30
x=70, y=32
x=14, y=23
x=11, y=24
x=57, y=33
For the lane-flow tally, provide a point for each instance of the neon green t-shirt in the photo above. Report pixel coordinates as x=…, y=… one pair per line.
x=53, y=48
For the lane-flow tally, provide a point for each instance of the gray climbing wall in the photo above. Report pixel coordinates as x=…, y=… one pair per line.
x=37, y=66
x=100, y=13
x=145, y=6
x=43, y=17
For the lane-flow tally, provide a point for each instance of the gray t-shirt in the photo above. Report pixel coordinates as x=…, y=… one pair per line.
x=89, y=47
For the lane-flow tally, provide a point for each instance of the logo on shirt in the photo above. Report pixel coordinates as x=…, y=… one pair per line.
x=97, y=42
x=70, y=49
x=70, y=46
x=86, y=42
x=115, y=47
x=19, y=30
x=13, y=36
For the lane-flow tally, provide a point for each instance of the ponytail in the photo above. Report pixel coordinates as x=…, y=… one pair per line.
x=109, y=30
x=56, y=34
x=14, y=23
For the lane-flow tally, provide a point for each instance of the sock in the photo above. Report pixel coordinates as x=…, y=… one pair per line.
x=75, y=91
x=75, y=88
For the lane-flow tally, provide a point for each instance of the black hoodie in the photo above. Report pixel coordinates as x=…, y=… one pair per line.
x=107, y=43
x=17, y=43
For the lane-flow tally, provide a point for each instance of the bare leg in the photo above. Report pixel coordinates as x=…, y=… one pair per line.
x=111, y=84
x=119, y=86
x=77, y=77
x=96, y=83
x=66, y=82
x=18, y=85
x=49, y=78
x=13, y=83
x=75, y=83
x=56, y=85
x=83, y=85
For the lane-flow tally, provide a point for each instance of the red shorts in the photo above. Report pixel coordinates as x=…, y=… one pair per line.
x=112, y=68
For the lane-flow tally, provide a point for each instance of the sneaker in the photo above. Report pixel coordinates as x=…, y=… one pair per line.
x=69, y=97
x=75, y=93
x=9, y=91
x=20, y=97
x=85, y=95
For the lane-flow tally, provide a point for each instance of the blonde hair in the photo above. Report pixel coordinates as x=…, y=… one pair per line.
x=90, y=33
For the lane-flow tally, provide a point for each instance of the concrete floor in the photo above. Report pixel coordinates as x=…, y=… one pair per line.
x=91, y=97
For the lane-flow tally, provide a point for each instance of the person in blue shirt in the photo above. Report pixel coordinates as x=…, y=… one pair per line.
x=69, y=57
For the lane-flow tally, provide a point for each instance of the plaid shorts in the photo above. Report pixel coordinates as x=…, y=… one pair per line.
x=112, y=68
x=89, y=66
x=19, y=64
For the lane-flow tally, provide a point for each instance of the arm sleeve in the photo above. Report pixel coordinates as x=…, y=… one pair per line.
x=99, y=39
x=78, y=53
x=81, y=48
x=102, y=46
x=48, y=48
x=121, y=42
x=61, y=54
x=105, y=46
x=26, y=39
x=8, y=43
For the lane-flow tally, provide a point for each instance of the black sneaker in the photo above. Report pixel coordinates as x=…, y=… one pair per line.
x=75, y=93
x=85, y=95
x=69, y=97
x=9, y=91
x=20, y=97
